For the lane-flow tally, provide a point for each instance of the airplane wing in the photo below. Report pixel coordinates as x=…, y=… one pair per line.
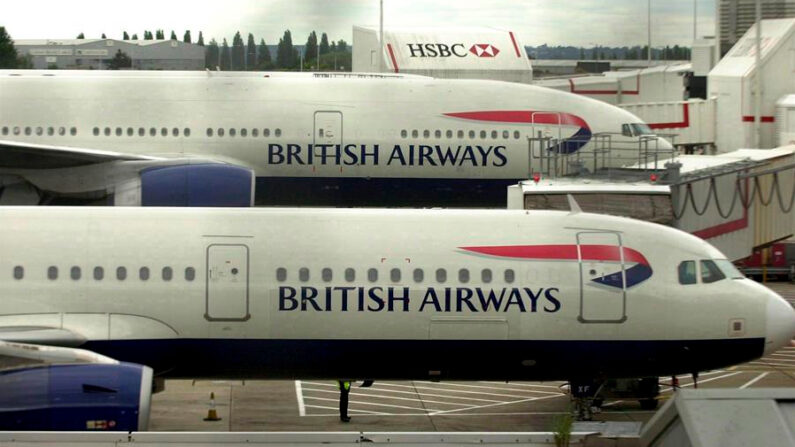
x=32, y=174
x=16, y=155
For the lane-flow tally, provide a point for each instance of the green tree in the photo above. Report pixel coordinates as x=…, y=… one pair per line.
x=226, y=57
x=333, y=47
x=103, y=36
x=160, y=35
x=310, y=49
x=25, y=62
x=125, y=36
x=81, y=36
x=135, y=36
x=264, y=61
x=200, y=42
x=324, y=46
x=8, y=53
x=582, y=53
x=173, y=35
x=186, y=38
x=286, y=55
x=251, y=53
x=148, y=35
x=238, y=53
x=342, y=46
x=211, y=55
x=119, y=61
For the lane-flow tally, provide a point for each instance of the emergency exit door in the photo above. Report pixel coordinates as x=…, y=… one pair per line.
x=227, y=282
x=327, y=140
x=602, y=277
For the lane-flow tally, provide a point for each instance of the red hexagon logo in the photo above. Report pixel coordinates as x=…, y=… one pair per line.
x=484, y=50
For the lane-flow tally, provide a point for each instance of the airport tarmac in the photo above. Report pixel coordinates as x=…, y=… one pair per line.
x=420, y=405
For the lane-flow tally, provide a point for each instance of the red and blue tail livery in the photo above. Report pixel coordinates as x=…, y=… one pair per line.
x=566, y=146
x=639, y=272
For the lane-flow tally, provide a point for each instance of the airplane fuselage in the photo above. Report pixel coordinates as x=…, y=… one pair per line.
x=376, y=294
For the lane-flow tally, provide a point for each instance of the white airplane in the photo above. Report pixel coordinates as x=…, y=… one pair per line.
x=196, y=138
x=367, y=294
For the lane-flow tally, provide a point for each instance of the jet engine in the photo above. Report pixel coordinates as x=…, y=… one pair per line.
x=112, y=397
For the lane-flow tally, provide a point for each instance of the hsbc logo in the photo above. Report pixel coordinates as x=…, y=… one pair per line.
x=455, y=50
x=484, y=50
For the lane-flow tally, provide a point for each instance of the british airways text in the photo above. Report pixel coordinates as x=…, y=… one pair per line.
x=403, y=299
x=374, y=155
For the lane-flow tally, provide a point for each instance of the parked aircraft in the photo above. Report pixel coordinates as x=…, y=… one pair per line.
x=201, y=139
x=367, y=294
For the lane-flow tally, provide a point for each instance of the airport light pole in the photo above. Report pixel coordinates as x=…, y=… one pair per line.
x=648, y=52
x=758, y=78
x=381, y=37
x=695, y=19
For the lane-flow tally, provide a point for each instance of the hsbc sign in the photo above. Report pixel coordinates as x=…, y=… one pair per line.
x=455, y=50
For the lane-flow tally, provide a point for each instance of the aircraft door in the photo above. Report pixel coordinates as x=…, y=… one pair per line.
x=327, y=142
x=602, y=277
x=227, y=282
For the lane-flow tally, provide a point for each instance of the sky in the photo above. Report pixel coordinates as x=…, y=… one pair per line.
x=580, y=23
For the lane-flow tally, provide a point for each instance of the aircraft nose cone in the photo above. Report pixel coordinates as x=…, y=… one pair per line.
x=780, y=324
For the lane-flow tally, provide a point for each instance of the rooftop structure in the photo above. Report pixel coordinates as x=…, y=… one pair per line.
x=97, y=53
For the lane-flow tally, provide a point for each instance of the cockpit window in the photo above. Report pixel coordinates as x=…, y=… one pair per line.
x=642, y=129
x=710, y=272
x=729, y=269
x=687, y=272
x=635, y=129
x=626, y=130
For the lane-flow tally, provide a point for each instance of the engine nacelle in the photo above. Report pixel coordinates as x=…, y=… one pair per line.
x=112, y=397
x=212, y=184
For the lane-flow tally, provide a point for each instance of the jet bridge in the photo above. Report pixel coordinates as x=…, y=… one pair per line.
x=738, y=201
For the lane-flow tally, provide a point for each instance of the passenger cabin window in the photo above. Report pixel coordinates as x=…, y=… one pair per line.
x=99, y=273
x=52, y=273
x=710, y=272
x=121, y=273
x=281, y=274
x=372, y=275
x=143, y=273
x=19, y=272
x=167, y=273
x=303, y=274
x=326, y=274
x=74, y=273
x=394, y=275
x=509, y=276
x=441, y=275
x=485, y=275
x=190, y=274
x=463, y=275
x=419, y=275
x=350, y=275
x=687, y=272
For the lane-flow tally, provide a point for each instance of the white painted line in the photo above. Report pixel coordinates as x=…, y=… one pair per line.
x=792, y=356
x=350, y=410
x=754, y=380
x=447, y=390
x=496, y=405
x=413, y=393
x=389, y=397
x=531, y=385
x=704, y=381
x=487, y=387
x=761, y=362
x=358, y=402
x=299, y=396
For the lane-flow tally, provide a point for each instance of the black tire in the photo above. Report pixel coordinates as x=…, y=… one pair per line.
x=648, y=404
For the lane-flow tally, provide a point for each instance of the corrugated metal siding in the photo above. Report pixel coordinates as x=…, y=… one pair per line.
x=649, y=207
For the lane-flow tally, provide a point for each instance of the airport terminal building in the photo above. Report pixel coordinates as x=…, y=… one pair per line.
x=95, y=54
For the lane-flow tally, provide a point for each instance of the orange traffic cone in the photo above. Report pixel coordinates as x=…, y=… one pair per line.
x=212, y=415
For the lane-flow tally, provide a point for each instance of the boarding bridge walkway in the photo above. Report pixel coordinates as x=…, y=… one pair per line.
x=739, y=201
